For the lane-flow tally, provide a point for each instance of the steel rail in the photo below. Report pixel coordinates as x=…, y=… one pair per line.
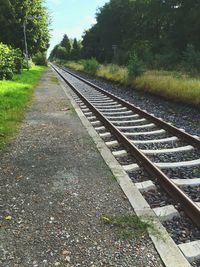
x=190, y=208
x=192, y=140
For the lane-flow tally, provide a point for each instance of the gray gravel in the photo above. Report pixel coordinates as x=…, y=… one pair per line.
x=55, y=188
x=181, y=115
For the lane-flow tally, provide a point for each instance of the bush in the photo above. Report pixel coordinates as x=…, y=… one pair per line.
x=135, y=66
x=166, y=61
x=143, y=49
x=90, y=65
x=18, y=61
x=10, y=61
x=191, y=59
x=40, y=59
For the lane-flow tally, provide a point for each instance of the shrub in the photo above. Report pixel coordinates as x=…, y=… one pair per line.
x=166, y=61
x=10, y=61
x=191, y=59
x=90, y=65
x=40, y=59
x=135, y=66
x=18, y=61
x=143, y=49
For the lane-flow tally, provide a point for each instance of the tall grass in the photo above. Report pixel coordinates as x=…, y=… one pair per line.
x=113, y=73
x=74, y=65
x=172, y=85
x=14, y=97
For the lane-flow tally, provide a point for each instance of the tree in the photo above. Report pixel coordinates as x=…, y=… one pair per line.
x=167, y=26
x=76, y=50
x=66, y=43
x=16, y=13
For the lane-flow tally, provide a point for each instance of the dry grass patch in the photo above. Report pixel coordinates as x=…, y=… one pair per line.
x=176, y=86
x=74, y=65
x=113, y=73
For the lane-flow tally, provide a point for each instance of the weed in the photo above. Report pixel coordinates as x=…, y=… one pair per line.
x=197, y=172
x=127, y=226
x=135, y=66
x=54, y=79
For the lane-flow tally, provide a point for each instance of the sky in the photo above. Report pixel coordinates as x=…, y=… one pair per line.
x=71, y=17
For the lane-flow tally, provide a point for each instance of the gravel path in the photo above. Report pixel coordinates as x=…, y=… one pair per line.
x=54, y=189
x=181, y=115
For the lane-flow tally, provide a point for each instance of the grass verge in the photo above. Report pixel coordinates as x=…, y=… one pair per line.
x=176, y=86
x=14, y=98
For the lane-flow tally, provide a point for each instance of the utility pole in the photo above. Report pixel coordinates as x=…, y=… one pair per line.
x=25, y=37
x=25, y=43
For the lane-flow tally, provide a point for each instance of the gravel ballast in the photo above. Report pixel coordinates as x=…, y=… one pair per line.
x=55, y=187
x=181, y=115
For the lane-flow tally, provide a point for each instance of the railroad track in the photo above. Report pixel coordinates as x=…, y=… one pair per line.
x=139, y=140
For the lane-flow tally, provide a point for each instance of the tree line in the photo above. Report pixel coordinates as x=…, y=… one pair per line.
x=66, y=50
x=161, y=32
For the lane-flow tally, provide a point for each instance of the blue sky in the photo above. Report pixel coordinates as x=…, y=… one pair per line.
x=71, y=17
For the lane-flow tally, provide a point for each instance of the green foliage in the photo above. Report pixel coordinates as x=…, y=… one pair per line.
x=61, y=52
x=91, y=66
x=66, y=43
x=191, y=59
x=148, y=28
x=66, y=50
x=40, y=59
x=18, y=61
x=127, y=226
x=10, y=62
x=143, y=49
x=135, y=66
x=76, y=50
x=167, y=60
x=33, y=15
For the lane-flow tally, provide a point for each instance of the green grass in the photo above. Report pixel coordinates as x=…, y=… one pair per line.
x=176, y=86
x=127, y=226
x=14, y=98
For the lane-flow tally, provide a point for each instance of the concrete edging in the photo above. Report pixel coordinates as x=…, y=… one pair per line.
x=167, y=249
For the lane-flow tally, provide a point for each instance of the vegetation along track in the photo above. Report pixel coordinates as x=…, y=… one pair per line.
x=140, y=141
